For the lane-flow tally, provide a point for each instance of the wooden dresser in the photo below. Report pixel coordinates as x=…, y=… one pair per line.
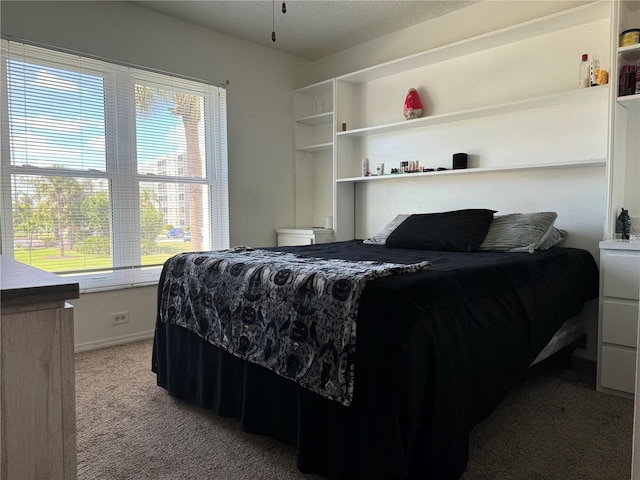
x=37, y=374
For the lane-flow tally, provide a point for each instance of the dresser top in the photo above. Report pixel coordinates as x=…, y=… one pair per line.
x=22, y=284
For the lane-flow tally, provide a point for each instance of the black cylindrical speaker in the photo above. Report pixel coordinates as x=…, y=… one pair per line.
x=459, y=161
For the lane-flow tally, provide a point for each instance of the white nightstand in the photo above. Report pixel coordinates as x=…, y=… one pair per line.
x=303, y=236
x=618, y=324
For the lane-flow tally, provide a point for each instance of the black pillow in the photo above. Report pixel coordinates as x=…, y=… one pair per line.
x=455, y=231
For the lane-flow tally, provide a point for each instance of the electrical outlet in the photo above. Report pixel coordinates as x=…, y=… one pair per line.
x=119, y=318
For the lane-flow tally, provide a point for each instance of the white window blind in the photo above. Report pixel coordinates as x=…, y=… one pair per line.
x=108, y=170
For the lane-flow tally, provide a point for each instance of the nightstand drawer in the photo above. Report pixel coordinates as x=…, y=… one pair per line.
x=287, y=240
x=303, y=236
x=618, y=369
x=621, y=275
x=620, y=323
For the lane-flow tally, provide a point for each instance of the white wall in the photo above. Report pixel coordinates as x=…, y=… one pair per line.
x=92, y=317
x=260, y=135
x=507, y=192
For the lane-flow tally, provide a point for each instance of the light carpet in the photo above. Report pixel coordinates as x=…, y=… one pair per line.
x=552, y=426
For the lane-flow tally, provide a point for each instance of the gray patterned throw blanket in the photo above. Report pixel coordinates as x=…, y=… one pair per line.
x=293, y=314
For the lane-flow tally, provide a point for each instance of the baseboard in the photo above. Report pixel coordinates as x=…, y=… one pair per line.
x=110, y=342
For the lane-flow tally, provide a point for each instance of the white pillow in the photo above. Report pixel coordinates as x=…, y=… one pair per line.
x=380, y=238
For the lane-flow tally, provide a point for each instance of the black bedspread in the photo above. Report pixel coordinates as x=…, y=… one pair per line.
x=437, y=351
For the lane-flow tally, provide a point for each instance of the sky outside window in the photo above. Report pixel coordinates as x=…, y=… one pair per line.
x=56, y=117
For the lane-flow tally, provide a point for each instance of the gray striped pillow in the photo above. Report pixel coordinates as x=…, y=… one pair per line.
x=519, y=232
x=556, y=237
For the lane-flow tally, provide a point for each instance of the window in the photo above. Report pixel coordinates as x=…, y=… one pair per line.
x=108, y=170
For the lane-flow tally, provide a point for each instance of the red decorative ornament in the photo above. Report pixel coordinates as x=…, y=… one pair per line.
x=412, y=105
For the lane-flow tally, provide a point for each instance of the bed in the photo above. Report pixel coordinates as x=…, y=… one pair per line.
x=437, y=349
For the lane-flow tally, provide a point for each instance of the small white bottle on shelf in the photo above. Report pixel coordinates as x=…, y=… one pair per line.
x=584, y=72
x=365, y=167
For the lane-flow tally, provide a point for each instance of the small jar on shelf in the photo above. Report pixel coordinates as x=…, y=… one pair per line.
x=627, y=81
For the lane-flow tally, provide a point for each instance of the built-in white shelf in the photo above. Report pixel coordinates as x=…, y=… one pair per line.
x=629, y=100
x=630, y=53
x=551, y=23
x=343, y=95
x=316, y=89
x=318, y=119
x=600, y=162
x=572, y=96
x=313, y=112
x=320, y=147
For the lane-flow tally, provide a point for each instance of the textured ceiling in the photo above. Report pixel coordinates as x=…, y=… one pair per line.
x=309, y=29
